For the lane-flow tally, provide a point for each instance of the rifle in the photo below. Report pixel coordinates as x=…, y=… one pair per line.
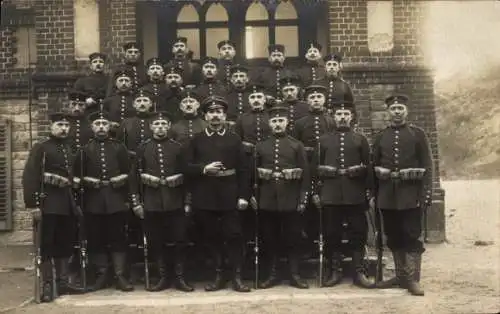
x=379, y=238
x=81, y=232
x=320, y=229
x=256, y=239
x=144, y=237
x=37, y=240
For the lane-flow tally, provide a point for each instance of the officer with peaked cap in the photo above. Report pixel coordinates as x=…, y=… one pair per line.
x=342, y=164
x=161, y=201
x=402, y=162
x=47, y=188
x=80, y=131
x=210, y=84
x=156, y=82
x=191, y=122
x=220, y=189
x=120, y=105
x=313, y=71
x=284, y=178
x=95, y=84
x=103, y=168
x=181, y=60
x=290, y=93
x=132, y=62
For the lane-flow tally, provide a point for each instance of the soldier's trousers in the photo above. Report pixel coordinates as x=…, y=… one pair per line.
x=164, y=227
x=281, y=231
x=334, y=217
x=106, y=232
x=58, y=236
x=403, y=229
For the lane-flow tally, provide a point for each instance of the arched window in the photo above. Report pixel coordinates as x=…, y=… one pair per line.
x=188, y=22
x=216, y=28
x=271, y=24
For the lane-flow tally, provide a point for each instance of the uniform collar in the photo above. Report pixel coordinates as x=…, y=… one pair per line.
x=209, y=132
x=399, y=126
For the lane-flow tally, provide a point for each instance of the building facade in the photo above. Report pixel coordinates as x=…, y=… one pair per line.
x=45, y=44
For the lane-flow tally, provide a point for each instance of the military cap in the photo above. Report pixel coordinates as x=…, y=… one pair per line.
x=278, y=111
x=123, y=72
x=96, y=115
x=274, y=48
x=96, y=55
x=153, y=61
x=238, y=68
x=315, y=89
x=213, y=102
x=173, y=69
x=143, y=93
x=342, y=105
x=75, y=95
x=58, y=116
x=161, y=115
x=333, y=57
x=257, y=88
x=209, y=60
x=396, y=99
x=225, y=42
x=315, y=44
x=290, y=80
x=130, y=45
x=189, y=92
x=181, y=40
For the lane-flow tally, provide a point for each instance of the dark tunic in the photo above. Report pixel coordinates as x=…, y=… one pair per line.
x=120, y=106
x=309, y=128
x=135, y=130
x=185, y=129
x=253, y=126
x=93, y=85
x=277, y=154
x=49, y=162
x=220, y=193
x=398, y=148
x=172, y=100
x=160, y=159
x=210, y=88
x=271, y=76
x=138, y=79
x=312, y=74
x=159, y=92
x=238, y=103
x=342, y=149
x=296, y=110
x=191, y=71
x=103, y=159
x=80, y=132
x=224, y=71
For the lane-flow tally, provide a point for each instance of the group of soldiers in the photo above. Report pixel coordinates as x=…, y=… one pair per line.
x=153, y=148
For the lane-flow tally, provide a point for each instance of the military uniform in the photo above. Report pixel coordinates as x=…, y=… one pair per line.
x=312, y=71
x=93, y=85
x=297, y=109
x=189, y=125
x=103, y=168
x=120, y=105
x=190, y=70
x=237, y=98
x=158, y=181
x=344, y=192
x=253, y=127
x=272, y=74
x=403, y=188
x=215, y=196
x=224, y=71
x=210, y=86
x=156, y=87
x=137, y=70
x=80, y=130
x=280, y=195
x=173, y=96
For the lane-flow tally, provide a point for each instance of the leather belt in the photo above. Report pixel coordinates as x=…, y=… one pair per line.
x=224, y=173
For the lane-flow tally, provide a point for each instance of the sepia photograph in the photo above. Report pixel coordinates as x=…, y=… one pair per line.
x=249, y=156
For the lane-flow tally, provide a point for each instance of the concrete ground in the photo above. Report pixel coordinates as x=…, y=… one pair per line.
x=460, y=276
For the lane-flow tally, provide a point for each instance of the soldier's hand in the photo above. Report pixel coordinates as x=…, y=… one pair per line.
x=187, y=209
x=253, y=203
x=213, y=167
x=242, y=204
x=316, y=201
x=301, y=208
x=138, y=211
x=89, y=101
x=36, y=214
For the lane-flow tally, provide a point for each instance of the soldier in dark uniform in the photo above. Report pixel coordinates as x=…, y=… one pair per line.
x=290, y=91
x=210, y=84
x=191, y=123
x=284, y=179
x=227, y=54
x=94, y=85
x=312, y=71
x=190, y=70
x=403, y=168
x=220, y=188
x=132, y=58
x=80, y=131
x=120, y=105
x=135, y=130
x=47, y=187
x=237, y=95
x=103, y=167
x=174, y=81
x=273, y=73
x=156, y=82
x=342, y=163
x=158, y=196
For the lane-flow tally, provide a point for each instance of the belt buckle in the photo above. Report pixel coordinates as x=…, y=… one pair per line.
x=277, y=175
x=342, y=172
x=163, y=181
x=105, y=183
x=395, y=175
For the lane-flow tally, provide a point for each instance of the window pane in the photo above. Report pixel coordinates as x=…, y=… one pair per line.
x=289, y=37
x=193, y=40
x=216, y=13
x=215, y=35
x=188, y=13
x=257, y=11
x=86, y=19
x=256, y=42
x=285, y=10
x=26, y=46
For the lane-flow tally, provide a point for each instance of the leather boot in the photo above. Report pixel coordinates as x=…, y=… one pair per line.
x=336, y=274
x=180, y=280
x=273, y=279
x=119, y=263
x=238, y=284
x=397, y=281
x=162, y=283
x=63, y=284
x=47, y=279
x=412, y=266
x=295, y=280
x=218, y=282
x=359, y=277
x=102, y=271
